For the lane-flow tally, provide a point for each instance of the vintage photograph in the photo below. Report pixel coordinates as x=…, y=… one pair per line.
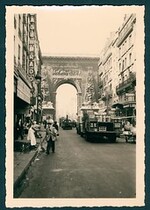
x=75, y=106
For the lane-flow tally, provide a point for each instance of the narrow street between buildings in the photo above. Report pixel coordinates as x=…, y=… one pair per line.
x=81, y=169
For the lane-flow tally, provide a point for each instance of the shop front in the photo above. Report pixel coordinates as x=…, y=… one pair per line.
x=21, y=103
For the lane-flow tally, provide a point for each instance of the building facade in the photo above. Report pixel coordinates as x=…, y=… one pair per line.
x=27, y=64
x=126, y=89
x=106, y=76
x=117, y=71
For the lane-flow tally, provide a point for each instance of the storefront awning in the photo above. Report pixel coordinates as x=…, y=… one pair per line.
x=129, y=105
x=117, y=105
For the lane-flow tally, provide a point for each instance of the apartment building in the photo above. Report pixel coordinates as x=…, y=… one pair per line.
x=107, y=75
x=117, y=71
x=126, y=44
x=27, y=64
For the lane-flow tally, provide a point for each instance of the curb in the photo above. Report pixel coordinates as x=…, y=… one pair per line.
x=22, y=175
x=18, y=181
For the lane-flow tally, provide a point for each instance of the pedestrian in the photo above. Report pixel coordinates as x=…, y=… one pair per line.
x=31, y=136
x=45, y=123
x=127, y=130
x=51, y=134
x=133, y=131
x=20, y=129
x=127, y=126
x=55, y=125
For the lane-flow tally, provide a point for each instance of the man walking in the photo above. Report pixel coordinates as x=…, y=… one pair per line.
x=51, y=134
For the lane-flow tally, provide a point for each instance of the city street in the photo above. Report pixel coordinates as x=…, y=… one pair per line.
x=79, y=68
x=81, y=169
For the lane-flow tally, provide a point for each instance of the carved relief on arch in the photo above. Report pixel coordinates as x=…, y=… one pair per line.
x=78, y=85
x=66, y=71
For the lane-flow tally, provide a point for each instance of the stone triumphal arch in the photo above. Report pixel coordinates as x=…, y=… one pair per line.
x=81, y=72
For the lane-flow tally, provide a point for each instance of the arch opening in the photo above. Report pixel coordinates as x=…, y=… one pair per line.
x=66, y=101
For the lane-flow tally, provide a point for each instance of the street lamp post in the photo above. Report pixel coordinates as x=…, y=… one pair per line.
x=38, y=79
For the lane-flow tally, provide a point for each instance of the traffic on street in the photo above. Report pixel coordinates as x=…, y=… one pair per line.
x=82, y=169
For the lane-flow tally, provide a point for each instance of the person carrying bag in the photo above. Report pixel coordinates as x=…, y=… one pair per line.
x=51, y=136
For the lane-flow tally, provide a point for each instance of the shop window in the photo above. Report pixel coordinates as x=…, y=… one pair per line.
x=14, y=44
x=130, y=57
x=123, y=65
x=130, y=40
x=15, y=25
x=119, y=51
x=19, y=26
x=19, y=51
x=120, y=67
x=123, y=48
x=24, y=60
x=110, y=86
x=125, y=45
x=110, y=62
x=32, y=18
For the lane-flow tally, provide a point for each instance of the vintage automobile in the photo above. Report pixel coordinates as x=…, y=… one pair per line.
x=66, y=124
x=79, y=125
x=97, y=128
x=130, y=135
x=118, y=125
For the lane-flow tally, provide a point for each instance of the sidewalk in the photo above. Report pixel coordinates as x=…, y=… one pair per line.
x=22, y=160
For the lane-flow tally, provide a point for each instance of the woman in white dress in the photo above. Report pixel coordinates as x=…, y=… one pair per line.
x=31, y=136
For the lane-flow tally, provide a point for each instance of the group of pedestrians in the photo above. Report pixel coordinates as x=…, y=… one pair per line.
x=52, y=133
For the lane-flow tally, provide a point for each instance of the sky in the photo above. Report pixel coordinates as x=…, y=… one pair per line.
x=69, y=105
x=76, y=30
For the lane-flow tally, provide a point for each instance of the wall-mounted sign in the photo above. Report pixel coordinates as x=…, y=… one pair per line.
x=23, y=91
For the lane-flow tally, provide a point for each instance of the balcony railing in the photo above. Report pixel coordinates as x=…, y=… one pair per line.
x=124, y=34
x=127, y=84
x=129, y=101
x=126, y=30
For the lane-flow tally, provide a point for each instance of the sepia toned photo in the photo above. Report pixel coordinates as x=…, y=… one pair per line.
x=75, y=106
